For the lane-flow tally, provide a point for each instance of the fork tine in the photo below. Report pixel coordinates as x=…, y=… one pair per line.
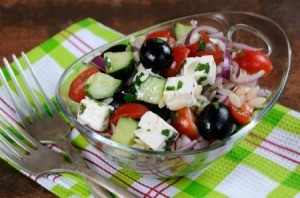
x=10, y=146
x=13, y=99
x=14, y=138
x=16, y=160
x=26, y=105
x=18, y=128
x=27, y=62
x=33, y=95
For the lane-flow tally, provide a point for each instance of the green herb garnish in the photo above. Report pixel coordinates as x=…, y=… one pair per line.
x=82, y=108
x=170, y=141
x=202, y=45
x=203, y=66
x=107, y=62
x=170, y=88
x=179, y=84
x=201, y=79
x=174, y=115
x=130, y=97
x=165, y=132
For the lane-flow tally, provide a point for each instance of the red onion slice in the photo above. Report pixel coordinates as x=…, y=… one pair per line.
x=241, y=46
x=99, y=62
x=226, y=65
x=201, y=144
x=189, y=146
x=193, y=35
x=247, y=78
x=264, y=93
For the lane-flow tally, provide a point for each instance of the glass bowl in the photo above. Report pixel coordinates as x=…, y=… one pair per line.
x=249, y=28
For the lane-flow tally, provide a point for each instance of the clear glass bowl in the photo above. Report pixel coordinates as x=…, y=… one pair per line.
x=249, y=28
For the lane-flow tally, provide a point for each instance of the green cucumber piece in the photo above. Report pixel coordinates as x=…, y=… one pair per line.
x=151, y=90
x=101, y=86
x=119, y=64
x=181, y=30
x=124, y=131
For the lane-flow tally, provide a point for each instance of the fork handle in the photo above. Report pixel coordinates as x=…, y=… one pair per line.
x=97, y=190
x=109, y=185
x=91, y=176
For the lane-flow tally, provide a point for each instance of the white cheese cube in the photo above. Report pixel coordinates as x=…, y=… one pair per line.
x=155, y=132
x=180, y=92
x=94, y=114
x=202, y=69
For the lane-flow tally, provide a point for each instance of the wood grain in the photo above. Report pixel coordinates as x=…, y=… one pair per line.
x=25, y=24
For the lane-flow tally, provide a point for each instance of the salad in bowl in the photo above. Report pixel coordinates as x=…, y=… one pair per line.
x=171, y=99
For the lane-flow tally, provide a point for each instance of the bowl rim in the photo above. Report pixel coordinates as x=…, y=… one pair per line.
x=242, y=132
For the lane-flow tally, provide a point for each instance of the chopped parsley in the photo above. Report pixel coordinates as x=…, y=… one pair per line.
x=174, y=115
x=130, y=97
x=165, y=132
x=170, y=88
x=179, y=84
x=202, y=45
x=82, y=108
x=107, y=62
x=201, y=79
x=201, y=102
x=170, y=141
x=203, y=66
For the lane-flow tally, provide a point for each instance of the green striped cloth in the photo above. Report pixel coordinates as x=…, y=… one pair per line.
x=265, y=164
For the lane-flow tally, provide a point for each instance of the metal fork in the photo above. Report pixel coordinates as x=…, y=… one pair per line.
x=49, y=129
x=38, y=160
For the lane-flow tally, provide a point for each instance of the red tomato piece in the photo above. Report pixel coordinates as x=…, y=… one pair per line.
x=183, y=120
x=161, y=34
x=254, y=61
x=217, y=53
x=128, y=110
x=242, y=114
x=179, y=54
x=76, y=91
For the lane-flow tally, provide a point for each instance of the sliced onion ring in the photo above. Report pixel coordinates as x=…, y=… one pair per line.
x=99, y=62
x=241, y=46
x=226, y=65
x=194, y=33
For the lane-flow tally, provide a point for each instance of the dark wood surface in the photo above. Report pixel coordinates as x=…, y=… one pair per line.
x=25, y=24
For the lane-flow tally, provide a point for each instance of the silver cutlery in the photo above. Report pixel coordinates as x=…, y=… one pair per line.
x=47, y=128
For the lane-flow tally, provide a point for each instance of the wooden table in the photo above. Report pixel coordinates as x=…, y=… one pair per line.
x=25, y=24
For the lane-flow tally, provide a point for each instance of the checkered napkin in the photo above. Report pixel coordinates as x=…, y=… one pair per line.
x=266, y=163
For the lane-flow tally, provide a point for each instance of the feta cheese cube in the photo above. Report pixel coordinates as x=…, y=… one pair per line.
x=202, y=69
x=155, y=132
x=94, y=114
x=180, y=92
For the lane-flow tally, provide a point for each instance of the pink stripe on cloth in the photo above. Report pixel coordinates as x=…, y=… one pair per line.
x=72, y=43
x=275, y=144
x=79, y=39
x=274, y=152
x=116, y=169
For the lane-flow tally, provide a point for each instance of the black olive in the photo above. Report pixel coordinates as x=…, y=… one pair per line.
x=164, y=112
x=118, y=99
x=116, y=48
x=155, y=53
x=215, y=121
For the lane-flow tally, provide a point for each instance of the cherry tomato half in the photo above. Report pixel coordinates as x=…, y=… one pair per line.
x=161, y=34
x=254, y=61
x=242, y=114
x=179, y=54
x=183, y=121
x=128, y=110
x=216, y=53
x=76, y=91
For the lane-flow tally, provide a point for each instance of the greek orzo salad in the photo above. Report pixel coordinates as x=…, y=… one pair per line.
x=173, y=90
